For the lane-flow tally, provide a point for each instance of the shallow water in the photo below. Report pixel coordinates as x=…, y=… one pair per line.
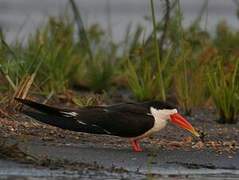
x=12, y=170
x=170, y=164
x=19, y=18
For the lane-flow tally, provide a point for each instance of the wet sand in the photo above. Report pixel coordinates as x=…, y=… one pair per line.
x=112, y=157
x=86, y=161
x=171, y=153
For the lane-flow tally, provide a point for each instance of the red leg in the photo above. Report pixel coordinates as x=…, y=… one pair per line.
x=136, y=147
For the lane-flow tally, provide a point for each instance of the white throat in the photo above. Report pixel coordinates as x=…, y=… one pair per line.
x=161, y=117
x=162, y=114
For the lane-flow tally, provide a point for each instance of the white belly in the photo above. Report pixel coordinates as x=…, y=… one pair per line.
x=158, y=125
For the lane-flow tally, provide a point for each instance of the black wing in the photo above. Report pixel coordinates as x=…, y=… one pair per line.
x=125, y=120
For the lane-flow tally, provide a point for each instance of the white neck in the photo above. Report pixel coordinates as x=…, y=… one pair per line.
x=160, y=120
x=161, y=117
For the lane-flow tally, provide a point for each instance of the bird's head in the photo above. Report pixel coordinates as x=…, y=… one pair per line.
x=166, y=112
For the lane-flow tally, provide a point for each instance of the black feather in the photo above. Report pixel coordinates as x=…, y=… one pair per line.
x=40, y=107
x=63, y=122
x=125, y=120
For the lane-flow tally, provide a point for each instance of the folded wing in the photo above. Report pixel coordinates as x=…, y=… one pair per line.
x=125, y=120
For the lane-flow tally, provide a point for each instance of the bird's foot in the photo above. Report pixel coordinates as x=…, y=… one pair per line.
x=136, y=147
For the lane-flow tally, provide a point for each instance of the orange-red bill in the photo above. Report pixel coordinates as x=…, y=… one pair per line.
x=183, y=123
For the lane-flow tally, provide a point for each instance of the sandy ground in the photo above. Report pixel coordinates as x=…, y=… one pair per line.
x=171, y=152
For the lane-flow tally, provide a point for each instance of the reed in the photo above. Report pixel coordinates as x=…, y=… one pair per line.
x=224, y=87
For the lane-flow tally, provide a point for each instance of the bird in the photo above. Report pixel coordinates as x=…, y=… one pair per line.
x=134, y=121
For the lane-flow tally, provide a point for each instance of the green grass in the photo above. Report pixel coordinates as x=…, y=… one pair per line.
x=224, y=88
x=16, y=70
x=100, y=73
x=192, y=66
x=157, y=55
x=190, y=80
x=143, y=83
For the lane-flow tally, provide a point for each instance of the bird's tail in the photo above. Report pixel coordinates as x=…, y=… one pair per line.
x=39, y=107
x=50, y=115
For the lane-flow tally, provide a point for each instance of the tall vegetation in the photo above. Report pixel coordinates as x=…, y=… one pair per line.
x=224, y=87
x=184, y=64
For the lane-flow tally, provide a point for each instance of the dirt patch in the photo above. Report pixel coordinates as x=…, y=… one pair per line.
x=26, y=140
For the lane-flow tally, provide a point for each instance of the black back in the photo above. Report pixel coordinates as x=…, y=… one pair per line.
x=158, y=105
x=125, y=120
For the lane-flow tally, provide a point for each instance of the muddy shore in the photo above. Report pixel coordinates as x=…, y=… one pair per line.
x=170, y=153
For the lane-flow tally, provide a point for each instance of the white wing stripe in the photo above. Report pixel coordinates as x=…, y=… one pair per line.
x=80, y=122
x=107, y=132
x=74, y=114
x=69, y=114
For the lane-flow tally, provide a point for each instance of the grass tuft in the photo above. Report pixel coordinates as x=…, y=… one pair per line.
x=223, y=84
